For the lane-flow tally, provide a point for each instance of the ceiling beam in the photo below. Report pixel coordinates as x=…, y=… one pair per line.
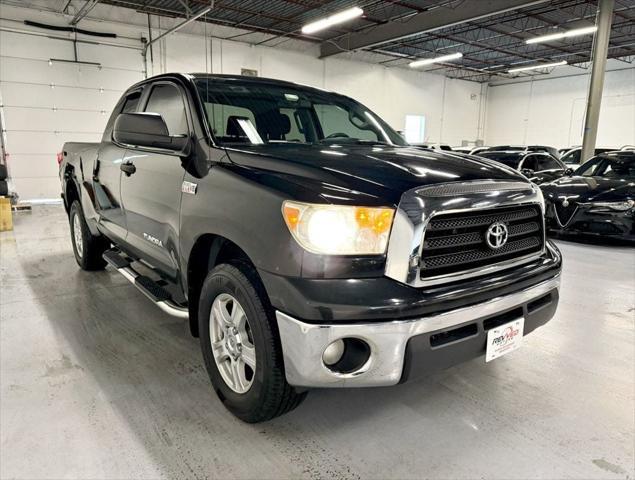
x=434, y=19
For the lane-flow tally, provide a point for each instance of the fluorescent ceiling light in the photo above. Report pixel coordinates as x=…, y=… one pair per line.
x=560, y=35
x=428, y=61
x=341, y=17
x=535, y=67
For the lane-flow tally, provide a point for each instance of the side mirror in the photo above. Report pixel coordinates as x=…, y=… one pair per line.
x=527, y=172
x=147, y=130
x=569, y=171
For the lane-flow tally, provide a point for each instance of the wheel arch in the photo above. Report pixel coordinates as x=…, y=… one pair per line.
x=71, y=188
x=208, y=251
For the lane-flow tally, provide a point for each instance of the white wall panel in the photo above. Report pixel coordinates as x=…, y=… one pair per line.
x=44, y=143
x=551, y=111
x=36, y=134
x=34, y=165
x=47, y=104
x=18, y=45
x=47, y=120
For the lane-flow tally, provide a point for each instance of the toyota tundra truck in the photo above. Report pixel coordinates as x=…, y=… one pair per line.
x=305, y=242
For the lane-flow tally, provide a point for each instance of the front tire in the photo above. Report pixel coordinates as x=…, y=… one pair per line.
x=241, y=347
x=88, y=248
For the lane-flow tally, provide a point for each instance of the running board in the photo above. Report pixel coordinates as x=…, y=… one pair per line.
x=146, y=285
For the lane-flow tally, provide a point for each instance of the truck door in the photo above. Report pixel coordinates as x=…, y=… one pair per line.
x=151, y=186
x=107, y=174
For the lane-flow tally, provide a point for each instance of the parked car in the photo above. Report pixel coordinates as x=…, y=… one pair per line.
x=287, y=225
x=527, y=148
x=562, y=151
x=538, y=167
x=467, y=150
x=433, y=146
x=478, y=150
x=598, y=199
x=572, y=157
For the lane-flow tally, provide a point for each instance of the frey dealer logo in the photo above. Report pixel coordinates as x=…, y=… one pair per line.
x=507, y=336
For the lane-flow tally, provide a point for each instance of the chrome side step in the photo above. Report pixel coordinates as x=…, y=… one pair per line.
x=146, y=285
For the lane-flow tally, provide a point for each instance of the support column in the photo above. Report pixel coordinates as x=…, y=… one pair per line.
x=596, y=85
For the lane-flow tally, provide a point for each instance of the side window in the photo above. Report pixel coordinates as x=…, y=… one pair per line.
x=590, y=168
x=335, y=121
x=548, y=163
x=574, y=157
x=131, y=103
x=530, y=162
x=166, y=100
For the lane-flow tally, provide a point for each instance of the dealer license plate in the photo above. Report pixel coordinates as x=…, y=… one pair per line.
x=504, y=339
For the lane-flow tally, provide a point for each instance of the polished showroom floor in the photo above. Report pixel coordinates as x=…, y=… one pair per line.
x=96, y=382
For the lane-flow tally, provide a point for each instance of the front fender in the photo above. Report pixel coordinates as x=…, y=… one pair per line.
x=243, y=211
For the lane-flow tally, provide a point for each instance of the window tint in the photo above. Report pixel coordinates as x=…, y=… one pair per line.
x=263, y=113
x=166, y=100
x=614, y=167
x=222, y=118
x=548, y=163
x=590, y=168
x=531, y=162
x=510, y=159
x=336, y=123
x=572, y=156
x=131, y=102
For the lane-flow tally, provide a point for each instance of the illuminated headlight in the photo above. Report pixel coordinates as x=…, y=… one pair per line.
x=337, y=229
x=619, y=206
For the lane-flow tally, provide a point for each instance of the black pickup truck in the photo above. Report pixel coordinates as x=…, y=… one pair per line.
x=305, y=242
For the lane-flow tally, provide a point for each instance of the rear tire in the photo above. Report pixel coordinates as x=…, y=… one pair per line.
x=4, y=188
x=263, y=393
x=88, y=248
x=3, y=172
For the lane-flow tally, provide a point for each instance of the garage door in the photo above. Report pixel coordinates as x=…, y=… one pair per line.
x=48, y=103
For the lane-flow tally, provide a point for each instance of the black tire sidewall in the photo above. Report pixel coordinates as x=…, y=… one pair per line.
x=229, y=279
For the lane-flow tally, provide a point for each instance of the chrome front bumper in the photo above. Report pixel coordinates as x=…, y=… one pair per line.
x=303, y=344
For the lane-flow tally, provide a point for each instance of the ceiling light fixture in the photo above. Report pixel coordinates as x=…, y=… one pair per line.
x=341, y=17
x=536, y=67
x=557, y=36
x=428, y=61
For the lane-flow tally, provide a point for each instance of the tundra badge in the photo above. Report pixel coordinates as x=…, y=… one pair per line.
x=189, y=187
x=152, y=239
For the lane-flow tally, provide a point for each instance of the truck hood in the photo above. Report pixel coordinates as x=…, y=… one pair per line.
x=377, y=174
x=590, y=189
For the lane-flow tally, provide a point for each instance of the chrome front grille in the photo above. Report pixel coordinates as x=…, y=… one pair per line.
x=456, y=242
x=438, y=231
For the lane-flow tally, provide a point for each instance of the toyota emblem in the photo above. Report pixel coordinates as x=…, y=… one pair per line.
x=496, y=235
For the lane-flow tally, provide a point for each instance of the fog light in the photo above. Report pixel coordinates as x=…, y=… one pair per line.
x=333, y=353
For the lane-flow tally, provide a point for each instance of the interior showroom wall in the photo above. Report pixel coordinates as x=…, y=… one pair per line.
x=551, y=111
x=40, y=95
x=59, y=100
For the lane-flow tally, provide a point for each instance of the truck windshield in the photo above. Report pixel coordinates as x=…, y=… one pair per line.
x=265, y=113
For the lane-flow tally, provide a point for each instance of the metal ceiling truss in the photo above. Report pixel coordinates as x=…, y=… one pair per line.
x=491, y=43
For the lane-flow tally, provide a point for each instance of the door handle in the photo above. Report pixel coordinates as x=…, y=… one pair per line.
x=128, y=168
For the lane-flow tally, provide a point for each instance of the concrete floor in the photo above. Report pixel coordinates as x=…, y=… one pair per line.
x=96, y=382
